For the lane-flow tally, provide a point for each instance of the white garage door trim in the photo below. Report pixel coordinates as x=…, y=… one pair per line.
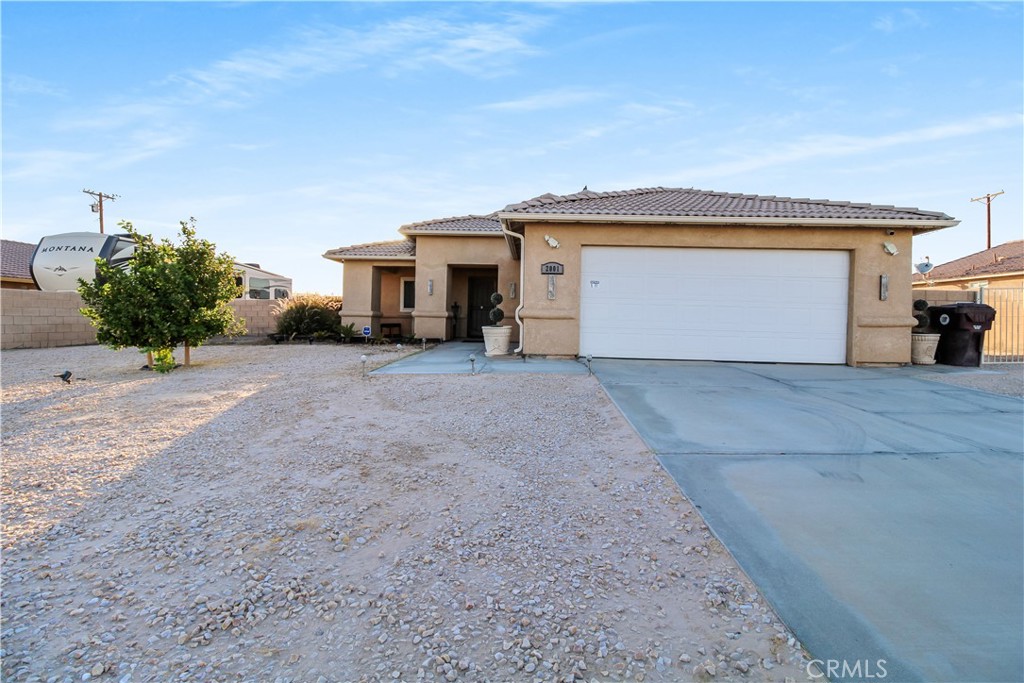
x=759, y=305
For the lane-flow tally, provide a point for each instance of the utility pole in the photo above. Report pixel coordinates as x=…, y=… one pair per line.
x=988, y=210
x=97, y=206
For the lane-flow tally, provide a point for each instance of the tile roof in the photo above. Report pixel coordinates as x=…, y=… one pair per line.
x=999, y=260
x=16, y=257
x=393, y=249
x=662, y=201
x=468, y=224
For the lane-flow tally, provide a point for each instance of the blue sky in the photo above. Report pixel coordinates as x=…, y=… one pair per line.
x=288, y=129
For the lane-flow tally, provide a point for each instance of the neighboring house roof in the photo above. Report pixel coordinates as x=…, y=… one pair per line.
x=396, y=249
x=1004, y=259
x=16, y=258
x=692, y=203
x=485, y=225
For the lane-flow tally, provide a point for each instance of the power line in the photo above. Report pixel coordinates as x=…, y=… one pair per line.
x=988, y=210
x=97, y=206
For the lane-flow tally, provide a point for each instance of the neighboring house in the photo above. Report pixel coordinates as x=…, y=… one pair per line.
x=657, y=273
x=1001, y=267
x=994, y=277
x=16, y=258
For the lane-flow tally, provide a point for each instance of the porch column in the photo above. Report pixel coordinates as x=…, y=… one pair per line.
x=430, y=319
x=361, y=305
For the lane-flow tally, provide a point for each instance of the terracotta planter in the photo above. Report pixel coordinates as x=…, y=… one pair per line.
x=496, y=339
x=923, y=347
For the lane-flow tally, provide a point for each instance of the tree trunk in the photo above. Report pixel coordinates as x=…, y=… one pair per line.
x=188, y=357
x=149, y=359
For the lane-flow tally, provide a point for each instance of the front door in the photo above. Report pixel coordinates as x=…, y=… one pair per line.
x=480, y=290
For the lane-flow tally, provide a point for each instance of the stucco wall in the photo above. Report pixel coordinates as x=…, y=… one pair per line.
x=372, y=287
x=447, y=260
x=372, y=292
x=30, y=319
x=878, y=331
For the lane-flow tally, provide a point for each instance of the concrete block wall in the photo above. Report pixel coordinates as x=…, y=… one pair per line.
x=941, y=297
x=260, y=315
x=30, y=319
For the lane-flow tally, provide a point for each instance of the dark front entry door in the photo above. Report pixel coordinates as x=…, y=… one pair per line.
x=480, y=290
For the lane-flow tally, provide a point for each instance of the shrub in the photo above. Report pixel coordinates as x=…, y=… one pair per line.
x=309, y=314
x=496, y=315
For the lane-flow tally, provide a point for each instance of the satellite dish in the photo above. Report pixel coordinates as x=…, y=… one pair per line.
x=923, y=268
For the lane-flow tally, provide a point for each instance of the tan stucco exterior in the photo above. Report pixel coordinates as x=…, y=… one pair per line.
x=372, y=294
x=449, y=261
x=441, y=270
x=454, y=259
x=878, y=330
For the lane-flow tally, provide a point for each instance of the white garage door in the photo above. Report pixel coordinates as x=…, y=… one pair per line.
x=764, y=305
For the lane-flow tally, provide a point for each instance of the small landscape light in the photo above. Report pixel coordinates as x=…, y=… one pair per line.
x=472, y=363
x=362, y=359
x=590, y=359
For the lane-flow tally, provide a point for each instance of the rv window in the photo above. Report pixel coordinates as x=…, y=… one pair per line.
x=259, y=288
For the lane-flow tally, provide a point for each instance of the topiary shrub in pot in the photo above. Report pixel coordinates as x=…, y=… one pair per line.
x=496, y=335
x=924, y=339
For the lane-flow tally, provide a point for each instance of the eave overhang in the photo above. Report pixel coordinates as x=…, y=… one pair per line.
x=341, y=258
x=413, y=232
x=512, y=219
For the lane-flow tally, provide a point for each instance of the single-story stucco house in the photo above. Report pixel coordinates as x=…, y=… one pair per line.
x=1001, y=267
x=660, y=273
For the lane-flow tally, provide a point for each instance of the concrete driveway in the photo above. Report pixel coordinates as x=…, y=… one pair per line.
x=881, y=514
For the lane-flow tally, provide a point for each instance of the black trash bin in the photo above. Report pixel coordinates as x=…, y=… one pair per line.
x=963, y=327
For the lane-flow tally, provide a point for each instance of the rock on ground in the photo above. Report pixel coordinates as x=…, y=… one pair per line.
x=269, y=514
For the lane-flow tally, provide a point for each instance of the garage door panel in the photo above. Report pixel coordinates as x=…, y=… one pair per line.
x=714, y=304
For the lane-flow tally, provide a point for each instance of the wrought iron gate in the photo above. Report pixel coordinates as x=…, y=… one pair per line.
x=1004, y=343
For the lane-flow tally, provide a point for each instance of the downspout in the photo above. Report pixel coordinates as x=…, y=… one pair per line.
x=522, y=273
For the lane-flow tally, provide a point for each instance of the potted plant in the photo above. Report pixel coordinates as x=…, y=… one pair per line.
x=496, y=335
x=923, y=339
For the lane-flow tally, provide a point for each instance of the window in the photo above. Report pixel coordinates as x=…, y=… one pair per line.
x=259, y=288
x=408, y=294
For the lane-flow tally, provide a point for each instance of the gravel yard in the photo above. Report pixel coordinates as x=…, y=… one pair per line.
x=998, y=378
x=271, y=515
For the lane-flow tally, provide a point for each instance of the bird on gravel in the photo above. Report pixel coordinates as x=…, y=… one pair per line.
x=66, y=376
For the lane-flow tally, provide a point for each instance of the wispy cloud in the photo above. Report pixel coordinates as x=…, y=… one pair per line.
x=27, y=85
x=892, y=22
x=162, y=120
x=43, y=163
x=551, y=99
x=821, y=146
x=415, y=43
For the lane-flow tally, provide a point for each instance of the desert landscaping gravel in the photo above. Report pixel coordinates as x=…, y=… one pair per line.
x=997, y=378
x=270, y=514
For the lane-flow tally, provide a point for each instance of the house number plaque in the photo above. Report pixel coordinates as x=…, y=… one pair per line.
x=552, y=268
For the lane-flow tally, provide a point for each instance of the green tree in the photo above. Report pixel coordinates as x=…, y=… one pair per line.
x=170, y=294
